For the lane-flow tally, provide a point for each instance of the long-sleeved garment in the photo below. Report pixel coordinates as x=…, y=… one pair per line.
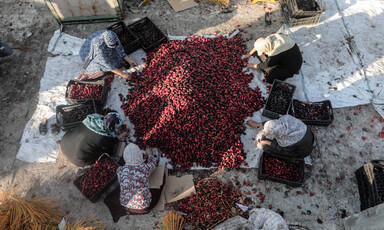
x=101, y=57
x=283, y=65
x=300, y=149
x=134, y=184
x=83, y=146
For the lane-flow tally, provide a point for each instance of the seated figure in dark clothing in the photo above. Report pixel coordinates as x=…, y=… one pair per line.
x=288, y=136
x=96, y=135
x=282, y=57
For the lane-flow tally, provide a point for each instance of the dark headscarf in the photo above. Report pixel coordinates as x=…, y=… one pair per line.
x=104, y=125
x=111, y=120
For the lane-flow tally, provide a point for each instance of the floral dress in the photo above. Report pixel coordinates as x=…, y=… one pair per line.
x=134, y=184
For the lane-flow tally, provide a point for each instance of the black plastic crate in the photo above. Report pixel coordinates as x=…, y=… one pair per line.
x=149, y=34
x=371, y=185
x=292, y=22
x=264, y=176
x=70, y=116
x=279, y=99
x=99, y=101
x=305, y=110
x=96, y=196
x=297, y=11
x=129, y=41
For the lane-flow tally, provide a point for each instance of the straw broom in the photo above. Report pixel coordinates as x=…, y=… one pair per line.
x=86, y=223
x=17, y=213
x=218, y=2
x=172, y=221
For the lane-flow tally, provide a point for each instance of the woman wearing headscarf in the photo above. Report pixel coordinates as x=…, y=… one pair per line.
x=286, y=136
x=96, y=135
x=282, y=57
x=135, y=195
x=103, y=52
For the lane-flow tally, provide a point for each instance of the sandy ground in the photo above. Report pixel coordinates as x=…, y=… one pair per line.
x=331, y=178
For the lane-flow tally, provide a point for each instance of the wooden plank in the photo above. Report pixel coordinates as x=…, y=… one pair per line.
x=83, y=8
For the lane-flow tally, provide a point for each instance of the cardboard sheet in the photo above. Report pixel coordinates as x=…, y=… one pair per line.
x=161, y=203
x=119, y=150
x=156, y=177
x=177, y=188
x=179, y=5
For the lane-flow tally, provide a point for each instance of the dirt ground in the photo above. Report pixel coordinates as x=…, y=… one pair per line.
x=340, y=151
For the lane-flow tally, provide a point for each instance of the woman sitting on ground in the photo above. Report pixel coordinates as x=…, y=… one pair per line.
x=282, y=57
x=96, y=135
x=286, y=136
x=135, y=195
x=102, y=52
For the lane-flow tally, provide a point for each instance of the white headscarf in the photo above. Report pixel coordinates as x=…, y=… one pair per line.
x=287, y=130
x=133, y=155
x=273, y=44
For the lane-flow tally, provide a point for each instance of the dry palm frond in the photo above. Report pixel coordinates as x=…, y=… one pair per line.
x=256, y=1
x=22, y=48
x=143, y=2
x=86, y=223
x=37, y=214
x=218, y=2
x=172, y=221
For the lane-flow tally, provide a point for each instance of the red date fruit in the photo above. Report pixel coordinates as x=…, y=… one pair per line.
x=192, y=100
x=98, y=176
x=108, y=81
x=213, y=203
x=279, y=98
x=310, y=111
x=83, y=92
x=278, y=168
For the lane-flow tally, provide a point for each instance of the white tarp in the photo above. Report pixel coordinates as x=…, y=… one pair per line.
x=331, y=71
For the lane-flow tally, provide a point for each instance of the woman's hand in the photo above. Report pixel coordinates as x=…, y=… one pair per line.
x=148, y=151
x=263, y=142
x=130, y=61
x=253, y=124
x=126, y=76
x=250, y=53
x=123, y=135
x=250, y=65
x=247, y=56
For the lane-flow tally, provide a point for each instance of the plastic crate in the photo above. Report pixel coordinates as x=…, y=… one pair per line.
x=129, y=41
x=267, y=112
x=297, y=13
x=96, y=196
x=367, y=184
x=145, y=28
x=326, y=106
x=292, y=22
x=82, y=110
x=263, y=176
x=99, y=101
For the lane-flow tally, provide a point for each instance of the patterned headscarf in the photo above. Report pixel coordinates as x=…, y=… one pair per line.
x=98, y=56
x=97, y=123
x=287, y=130
x=133, y=155
x=110, y=39
x=273, y=44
